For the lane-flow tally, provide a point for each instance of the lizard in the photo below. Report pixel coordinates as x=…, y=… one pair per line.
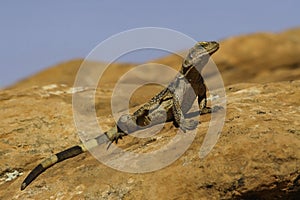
x=169, y=105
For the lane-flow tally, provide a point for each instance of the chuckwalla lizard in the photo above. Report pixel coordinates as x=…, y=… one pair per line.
x=169, y=105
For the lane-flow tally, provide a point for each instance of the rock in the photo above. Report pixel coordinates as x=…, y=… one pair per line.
x=257, y=154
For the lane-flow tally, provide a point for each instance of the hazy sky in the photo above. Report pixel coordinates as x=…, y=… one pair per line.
x=37, y=34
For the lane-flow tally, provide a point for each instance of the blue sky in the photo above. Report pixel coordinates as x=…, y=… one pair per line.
x=37, y=34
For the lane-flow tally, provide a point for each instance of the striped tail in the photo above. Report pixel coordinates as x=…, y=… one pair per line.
x=68, y=153
x=63, y=155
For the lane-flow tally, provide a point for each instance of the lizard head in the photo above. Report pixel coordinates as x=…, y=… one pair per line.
x=198, y=55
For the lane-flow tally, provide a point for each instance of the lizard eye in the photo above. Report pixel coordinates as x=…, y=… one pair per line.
x=203, y=44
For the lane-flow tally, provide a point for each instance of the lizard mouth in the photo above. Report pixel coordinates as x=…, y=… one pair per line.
x=214, y=49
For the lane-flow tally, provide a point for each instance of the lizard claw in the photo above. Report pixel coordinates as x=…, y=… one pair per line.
x=207, y=110
x=115, y=138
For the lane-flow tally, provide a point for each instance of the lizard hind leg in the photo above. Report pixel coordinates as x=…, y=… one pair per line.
x=125, y=125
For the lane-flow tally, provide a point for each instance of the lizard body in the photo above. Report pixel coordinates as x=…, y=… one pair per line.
x=169, y=105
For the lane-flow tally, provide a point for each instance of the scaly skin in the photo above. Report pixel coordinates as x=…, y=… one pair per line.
x=169, y=105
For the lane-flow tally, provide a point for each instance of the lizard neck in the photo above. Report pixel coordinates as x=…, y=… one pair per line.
x=193, y=76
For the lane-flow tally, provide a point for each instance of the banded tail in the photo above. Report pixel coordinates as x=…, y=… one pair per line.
x=63, y=155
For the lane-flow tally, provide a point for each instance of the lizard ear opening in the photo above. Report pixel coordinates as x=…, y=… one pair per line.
x=186, y=63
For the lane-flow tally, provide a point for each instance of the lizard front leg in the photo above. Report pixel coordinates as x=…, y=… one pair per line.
x=179, y=119
x=202, y=101
x=203, y=108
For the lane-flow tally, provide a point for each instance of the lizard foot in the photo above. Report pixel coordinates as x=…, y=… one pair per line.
x=210, y=110
x=115, y=137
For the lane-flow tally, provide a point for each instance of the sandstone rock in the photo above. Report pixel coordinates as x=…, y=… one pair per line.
x=256, y=156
